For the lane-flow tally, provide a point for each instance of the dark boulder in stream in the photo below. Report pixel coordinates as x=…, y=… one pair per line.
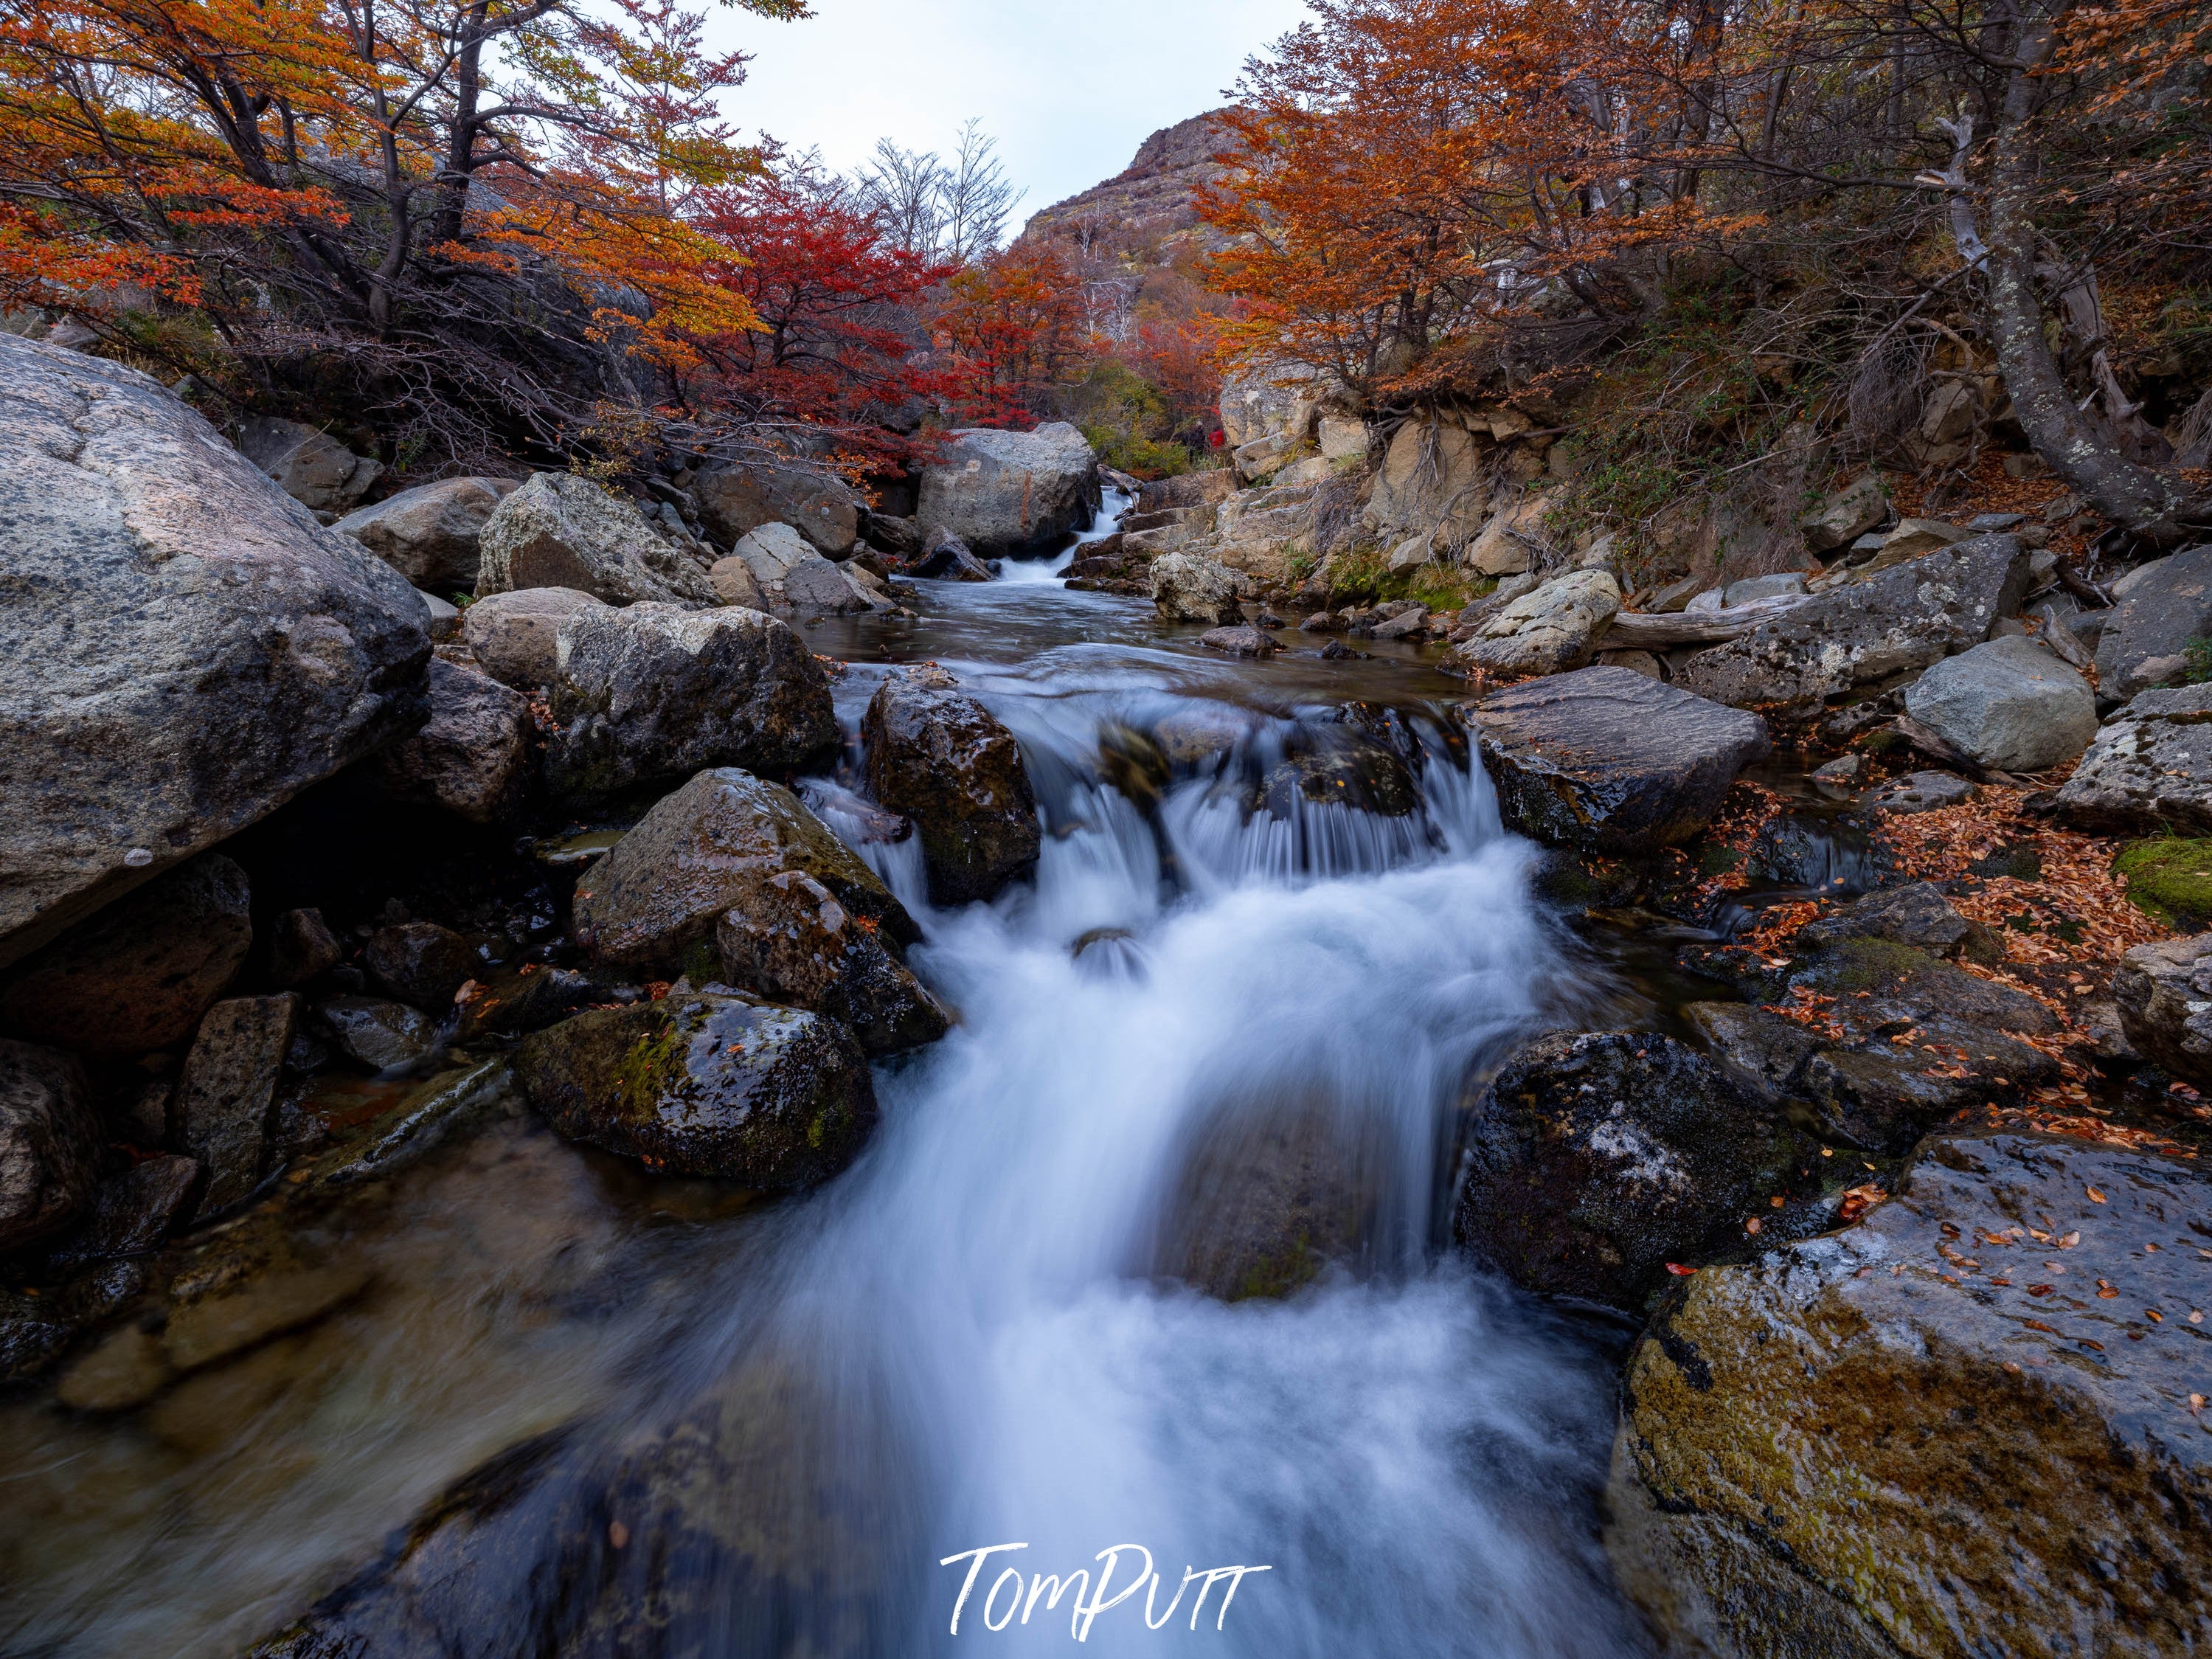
x=707, y=1083
x=937, y=756
x=50, y=1143
x=1973, y=1423
x=420, y=962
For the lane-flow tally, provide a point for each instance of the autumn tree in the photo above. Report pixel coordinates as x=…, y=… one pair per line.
x=1014, y=326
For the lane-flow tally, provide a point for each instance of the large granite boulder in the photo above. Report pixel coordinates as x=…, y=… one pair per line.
x=937, y=756
x=653, y=691
x=183, y=649
x=2164, y=990
x=1186, y=588
x=473, y=758
x=731, y=878
x=1552, y=627
x=738, y=500
x=429, y=534
x=2149, y=770
x=1906, y=617
x=707, y=1084
x=561, y=531
x=308, y=463
x=1596, y=1159
x=791, y=575
x=1010, y=493
x=2146, y=639
x=1608, y=759
x=2006, y=704
x=50, y=1144
x=1971, y=1424
x=515, y=637
x=138, y=975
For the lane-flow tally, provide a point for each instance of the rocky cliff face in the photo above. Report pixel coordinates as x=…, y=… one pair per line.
x=1147, y=202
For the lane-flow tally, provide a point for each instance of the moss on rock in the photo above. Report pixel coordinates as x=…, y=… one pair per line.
x=2169, y=879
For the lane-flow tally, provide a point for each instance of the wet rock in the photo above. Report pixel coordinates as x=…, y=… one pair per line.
x=1918, y=916
x=561, y=531
x=215, y=1328
x=937, y=756
x=473, y=757
x=1240, y=642
x=515, y=637
x=732, y=878
x=1761, y=1050
x=302, y=947
x=2150, y=771
x=452, y=1103
x=377, y=1035
x=133, y=1212
x=1608, y=759
x=50, y=1143
x=221, y=1113
x=1186, y=588
x=653, y=692
x=308, y=464
x=2164, y=992
x=139, y=975
x=2008, y=704
x=2168, y=604
x=736, y=501
x=1010, y=493
x=1334, y=761
x=122, y=1373
x=1935, y=1432
x=1920, y=791
x=528, y=998
x=429, y=534
x=707, y=1084
x=1906, y=617
x=183, y=648
x=1551, y=628
x=1595, y=1160
x=420, y=962
x=946, y=557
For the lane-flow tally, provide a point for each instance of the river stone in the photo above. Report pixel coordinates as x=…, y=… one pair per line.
x=945, y=557
x=805, y=950
x=1906, y=617
x=302, y=947
x=707, y=1084
x=561, y=531
x=1243, y=641
x=308, y=463
x=131, y=1213
x=2164, y=990
x=1843, y=518
x=420, y=962
x=2166, y=604
x=1920, y=791
x=2148, y=772
x=1932, y=1433
x=1551, y=628
x=214, y=1328
x=1760, y=1049
x=735, y=584
x=138, y=975
x=2008, y=704
x=1917, y=914
x=653, y=692
x=515, y=637
x=429, y=534
x=221, y=1109
x=1186, y=588
x=1594, y=1160
x=377, y=1035
x=735, y=501
x=937, y=756
x=1328, y=762
x=791, y=574
x=183, y=649
x=473, y=758
x=1010, y=493
x=1608, y=759
x=50, y=1143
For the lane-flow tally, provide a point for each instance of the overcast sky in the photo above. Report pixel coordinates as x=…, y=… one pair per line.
x=1069, y=87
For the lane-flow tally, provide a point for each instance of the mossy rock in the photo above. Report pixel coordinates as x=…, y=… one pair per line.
x=2170, y=880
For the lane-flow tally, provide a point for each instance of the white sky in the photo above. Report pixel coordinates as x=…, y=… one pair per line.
x=1069, y=87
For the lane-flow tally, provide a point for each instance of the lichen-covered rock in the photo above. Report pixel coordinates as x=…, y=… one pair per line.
x=1609, y=759
x=1551, y=628
x=183, y=649
x=221, y=1110
x=2006, y=704
x=50, y=1143
x=1010, y=493
x=1970, y=1423
x=561, y=531
x=515, y=637
x=429, y=534
x=473, y=757
x=2149, y=768
x=735, y=501
x=938, y=757
x=1594, y=1160
x=732, y=878
x=308, y=463
x=1905, y=617
x=2164, y=990
x=138, y=975
x=1186, y=588
x=653, y=692
x=707, y=1084
x=2166, y=605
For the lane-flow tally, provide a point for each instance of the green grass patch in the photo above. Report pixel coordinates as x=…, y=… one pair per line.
x=2169, y=880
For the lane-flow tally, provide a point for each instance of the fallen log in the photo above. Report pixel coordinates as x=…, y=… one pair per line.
x=1640, y=631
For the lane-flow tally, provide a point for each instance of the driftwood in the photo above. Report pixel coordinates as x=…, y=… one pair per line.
x=1637, y=630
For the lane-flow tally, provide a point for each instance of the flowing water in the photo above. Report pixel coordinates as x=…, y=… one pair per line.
x=1225, y=1031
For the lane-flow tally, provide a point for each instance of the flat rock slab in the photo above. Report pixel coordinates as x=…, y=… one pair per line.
x=1611, y=760
x=2149, y=770
x=1920, y=791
